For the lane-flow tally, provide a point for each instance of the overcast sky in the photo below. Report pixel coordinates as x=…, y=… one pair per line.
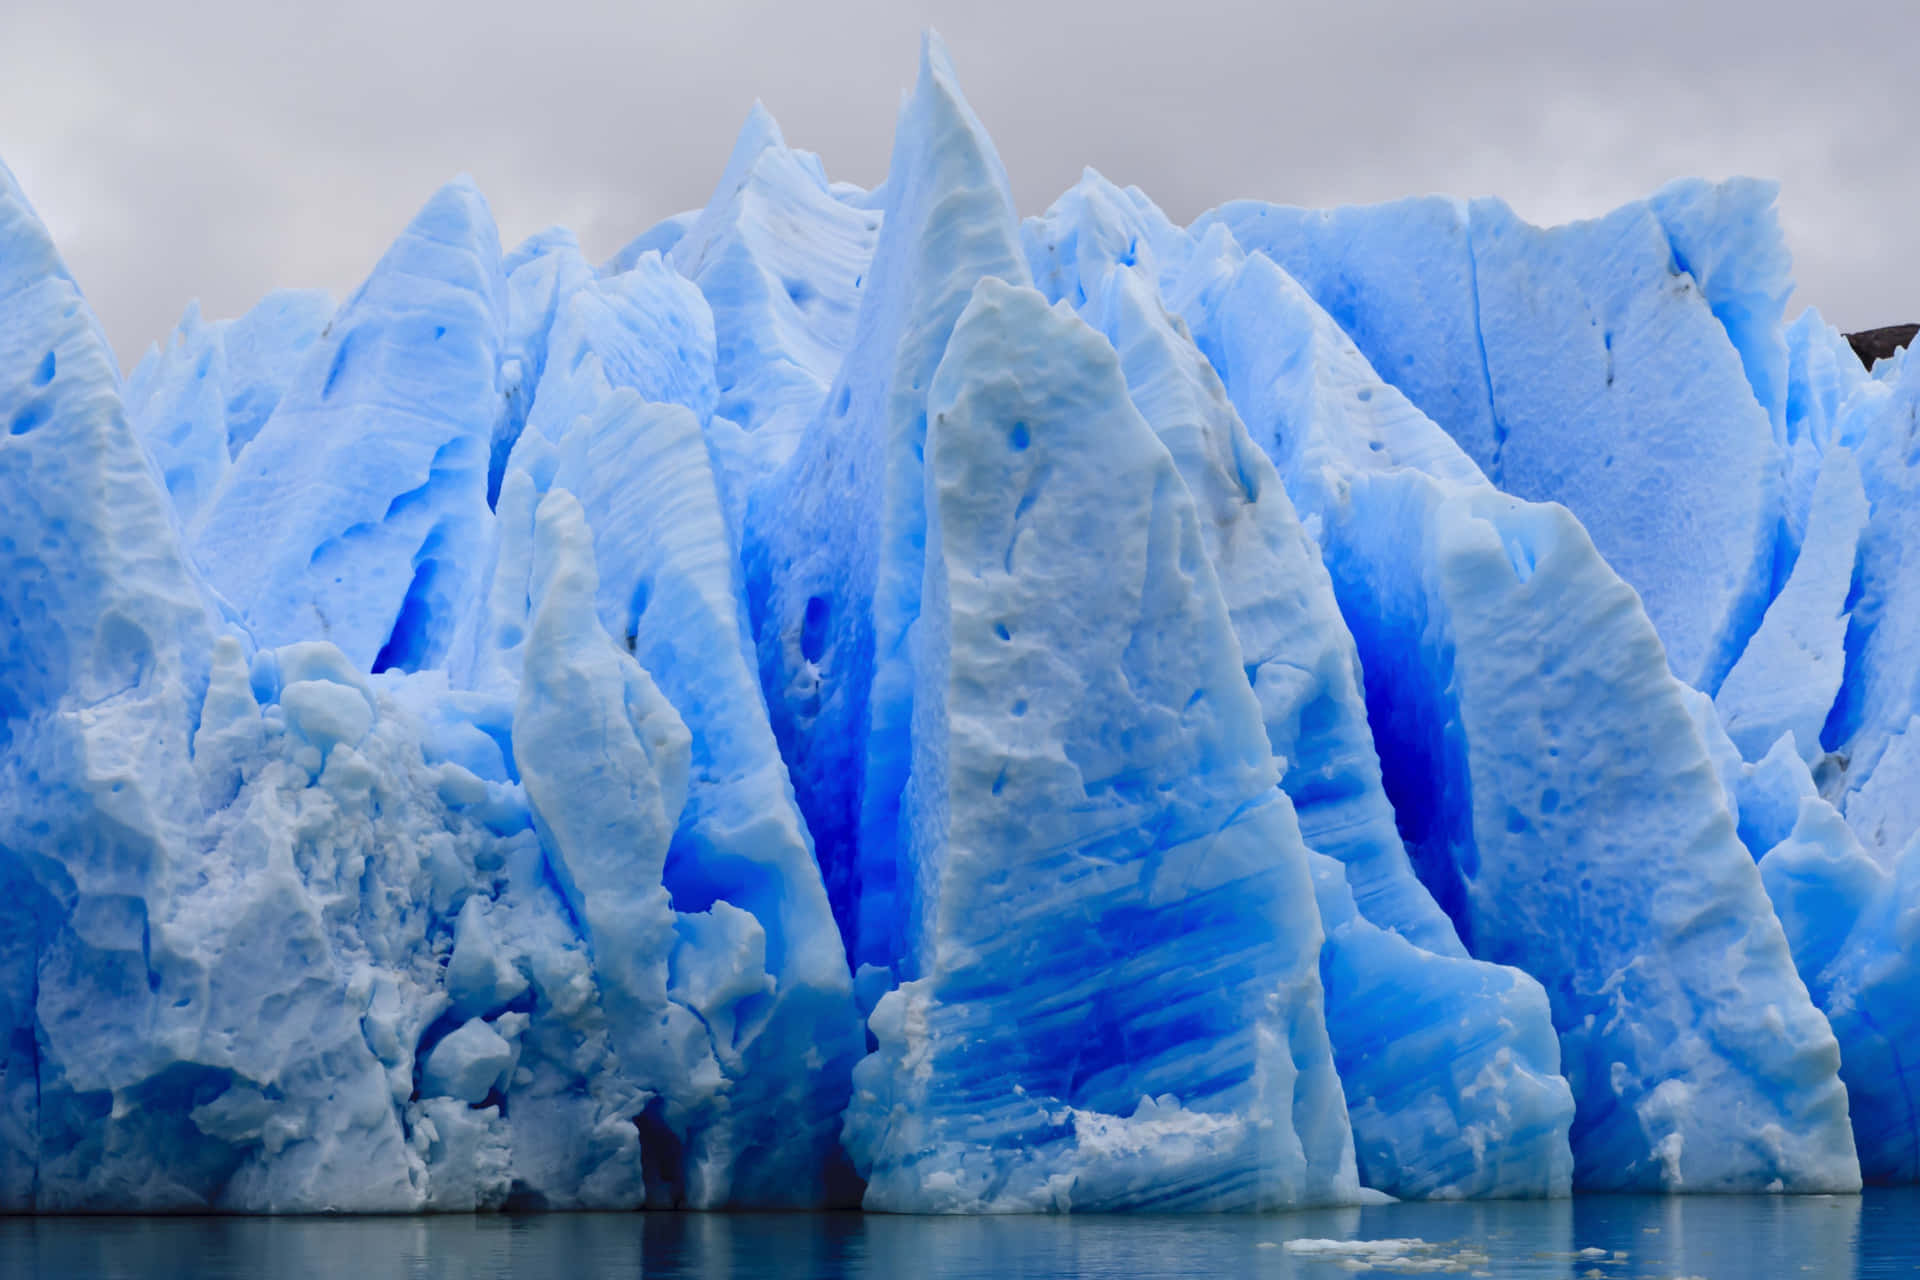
x=220, y=148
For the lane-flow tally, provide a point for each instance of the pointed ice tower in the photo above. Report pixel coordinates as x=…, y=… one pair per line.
x=1449, y=1065
x=1117, y=1002
x=359, y=513
x=781, y=261
x=103, y=661
x=834, y=541
x=123, y=967
x=615, y=433
x=201, y=400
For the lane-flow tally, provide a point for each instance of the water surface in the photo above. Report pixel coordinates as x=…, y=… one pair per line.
x=1713, y=1237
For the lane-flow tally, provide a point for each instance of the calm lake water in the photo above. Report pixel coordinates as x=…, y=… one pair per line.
x=1715, y=1237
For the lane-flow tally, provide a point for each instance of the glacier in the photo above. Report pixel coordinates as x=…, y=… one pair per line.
x=861, y=698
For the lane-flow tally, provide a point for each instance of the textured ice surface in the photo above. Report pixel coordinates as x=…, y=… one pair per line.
x=1586, y=365
x=1098, y=855
x=1307, y=705
x=200, y=401
x=833, y=541
x=1483, y=624
x=781, y=260
x=1449, y=1065
x=358, y=513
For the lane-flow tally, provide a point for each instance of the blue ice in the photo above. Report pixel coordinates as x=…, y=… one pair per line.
x=858, y=698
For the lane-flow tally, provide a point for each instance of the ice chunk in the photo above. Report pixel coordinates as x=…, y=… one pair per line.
x=1848, y=918
x=1094, y=228
x=359, y=512
x=467, y=1064
x=1786, y=679
x=264, y=351
x=1487, y=1065
x=603, y=756
x=1584, y=365
x=1450, y=1065
x=781, y=262
x=1885, y=811
x=646, y=332
x=1727, y=237
x=198, y=989
x=182, y=416
x=1611, y=379
x=659, y=238
x=199, y=402
x=1399, y=280
x=1880, y=691
x=468, y=1150
x=1540, y=769
x=1769, y=792
x=708, y=925
x=1295, y=648
x=1822, y=374
x=103, y=663
x=541, y=276
x=833, y=543
x=480, y=979
x=1102, y=874
x=669, y=589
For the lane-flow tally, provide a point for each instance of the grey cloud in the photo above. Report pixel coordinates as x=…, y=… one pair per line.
x=223, y=148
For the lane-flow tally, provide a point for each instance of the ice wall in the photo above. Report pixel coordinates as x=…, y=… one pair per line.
x=863, y=699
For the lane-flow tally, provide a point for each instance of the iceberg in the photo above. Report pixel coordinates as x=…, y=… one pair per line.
x=862, y=699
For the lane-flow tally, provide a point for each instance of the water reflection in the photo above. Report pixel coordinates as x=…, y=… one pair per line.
x=1730, y=1237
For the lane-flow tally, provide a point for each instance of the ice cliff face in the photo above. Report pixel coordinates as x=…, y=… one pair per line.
x=859, y=698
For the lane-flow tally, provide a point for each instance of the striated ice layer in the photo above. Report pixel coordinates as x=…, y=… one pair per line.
x=834, y=539
x=860, y=699
x=358, y=513
x=1454, y=1082
x=781, y=260
x=1483, y=624
x=1102, y=868
x=1587, y=365
x=198, y=403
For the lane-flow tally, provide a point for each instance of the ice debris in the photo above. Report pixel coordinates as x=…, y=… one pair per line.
x=860, y=698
